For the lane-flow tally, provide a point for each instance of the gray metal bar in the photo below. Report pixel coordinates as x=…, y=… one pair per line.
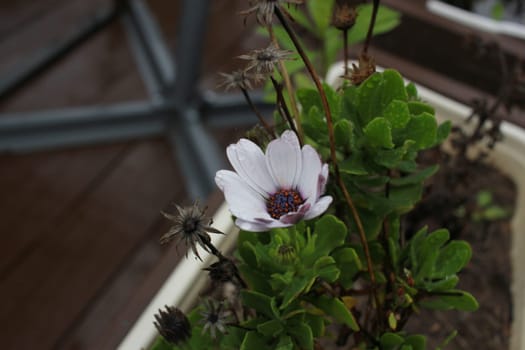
x=190, y=40
x=226, y=110
x=50, y=55
x=150, y=76
x=153, y=41
x=196, y=153
x=34, y=131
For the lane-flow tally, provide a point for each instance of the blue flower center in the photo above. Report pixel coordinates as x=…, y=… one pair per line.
x=283, y=202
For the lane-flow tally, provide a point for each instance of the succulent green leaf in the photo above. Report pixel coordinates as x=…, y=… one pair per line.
x=295, y=288
x=261, y=303
x=337, y=309
x=397, y=114
x=303, y=335
x=325, y=268
x=463, y=301
x=391, y=341
x=252, y=341
x=343, y=131
x=285, y=343
x=379, y=133
x=271, y=328
x=349, y=264
x=418, y=107
x=415, y=178
x=411, y=91
x=452, y=258
x=422, y=129
x=443, y=131
x=418, y=342
x=330, y=232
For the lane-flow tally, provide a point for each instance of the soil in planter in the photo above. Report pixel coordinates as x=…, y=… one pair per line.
x=488, y=275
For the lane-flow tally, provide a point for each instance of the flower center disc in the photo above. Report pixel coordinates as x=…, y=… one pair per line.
x=283, y=202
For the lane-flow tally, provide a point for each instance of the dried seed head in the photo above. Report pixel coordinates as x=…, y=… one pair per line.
x=263, y=61
x=173, y=325
x=264, y=9
x=222, y=271
x=214, y=317
x=344, y=16
x=239, y=79
x=366, y=68
x=192, y=227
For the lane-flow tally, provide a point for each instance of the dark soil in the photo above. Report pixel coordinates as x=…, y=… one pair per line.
x=488, y=275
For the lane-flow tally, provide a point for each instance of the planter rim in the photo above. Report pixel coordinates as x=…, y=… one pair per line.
x=476, y=21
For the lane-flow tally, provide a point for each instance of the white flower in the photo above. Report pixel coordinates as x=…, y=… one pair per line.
x=276, y=189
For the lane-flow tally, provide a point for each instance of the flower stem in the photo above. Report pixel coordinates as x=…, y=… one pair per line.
x=329, y=122
x=267, y=126
x=371, y=27
x=281, y=103
x=289, y=88
x=345, y=50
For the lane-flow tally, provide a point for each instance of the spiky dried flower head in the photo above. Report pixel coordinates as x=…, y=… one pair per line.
x=263, y=61
x=264, y=9
x=365, y=68
x=173, y=325
x=191, y=226
x=214, y=317
x=222, y=271
x=239, y=79
x=344, y=16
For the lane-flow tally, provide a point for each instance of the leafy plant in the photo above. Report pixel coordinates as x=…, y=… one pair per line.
x=316, y=265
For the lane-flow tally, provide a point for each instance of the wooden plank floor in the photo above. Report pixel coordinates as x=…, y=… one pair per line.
x=79, y=227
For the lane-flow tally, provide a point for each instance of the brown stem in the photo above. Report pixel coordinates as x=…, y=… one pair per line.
x=371, y=27
x=281, y=103
x=267, y=126
x=289, y=88
x=329, y=122
x=345, y=50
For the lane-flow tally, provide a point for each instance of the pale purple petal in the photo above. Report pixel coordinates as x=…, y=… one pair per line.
x=284, y=160
x=323, y=179
x=294, y=217
x=319, y=207
x=249, y=162
x=308, y=182
x=243, y=201
x=258, y=225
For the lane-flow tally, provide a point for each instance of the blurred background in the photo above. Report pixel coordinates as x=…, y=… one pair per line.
x=80, y=217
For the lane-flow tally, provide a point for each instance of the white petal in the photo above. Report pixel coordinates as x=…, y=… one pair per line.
x=308, y=182
x=318, y=208
x=323, y=179
x=243, y=201
x=284, y=160
x=249, y=162
x=255, y=226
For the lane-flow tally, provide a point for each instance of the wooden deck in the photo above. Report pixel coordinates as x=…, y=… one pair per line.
x=79, y=227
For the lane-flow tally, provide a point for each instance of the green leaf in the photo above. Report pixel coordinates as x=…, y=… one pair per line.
x=397, y=114
x=252, y=341
x=309, y=98
x=422, y=129
x=379, y=133
x=495, y=213
x=428, y=253
x=303, y=335
x=285, y=343
x=343, y=133
x=449, y=282
x=443, y=131
x=452, y=258
x=411, y=91
x=316, y=324
x=337, y=309
x=415, y=178
x=391, y=341
x=321, y=13
x=270, y=328
x=386, y=20
x=418, y=342
x=463, y=301
x=260, y=302
x=349, y=264
x=418, y=107
x=484, y=198
x=294, y=289
x=330, y=233
x=354, y=165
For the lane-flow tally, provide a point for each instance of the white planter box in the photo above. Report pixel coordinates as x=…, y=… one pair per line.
x=509, y=155
x=476, y=21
